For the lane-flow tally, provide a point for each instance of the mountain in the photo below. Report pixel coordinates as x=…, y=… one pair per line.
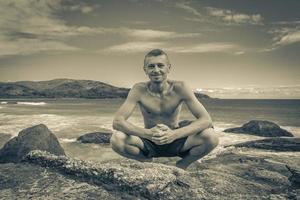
x=65, y=88
x=61, y=88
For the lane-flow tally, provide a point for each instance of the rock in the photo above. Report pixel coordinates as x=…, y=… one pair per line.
x=295, y=177
x=261, y=128
x=4, y=138
x=246, y=174
x=276, y=144
x=143, y=180
x=234, y=174
x=38, y=137
x=101, y=137
x=27, y=181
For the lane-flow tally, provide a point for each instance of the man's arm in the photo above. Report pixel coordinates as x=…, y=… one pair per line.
x=203, y=120
x=120, y=122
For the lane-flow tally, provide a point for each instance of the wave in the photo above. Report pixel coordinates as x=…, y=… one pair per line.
x=67, y=140
x=3, y=102
x=32, y=103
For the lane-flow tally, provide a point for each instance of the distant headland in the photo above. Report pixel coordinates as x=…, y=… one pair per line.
x=66, y=88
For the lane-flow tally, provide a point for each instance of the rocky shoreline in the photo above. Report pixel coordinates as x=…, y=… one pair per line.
x=252, y=170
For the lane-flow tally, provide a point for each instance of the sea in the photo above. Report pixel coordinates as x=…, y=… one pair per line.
x=70, y=118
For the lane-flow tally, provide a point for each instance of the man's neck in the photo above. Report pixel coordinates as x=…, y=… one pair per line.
x=160, y=87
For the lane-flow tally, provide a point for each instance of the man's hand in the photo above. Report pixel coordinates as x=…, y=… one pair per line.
x=162, y=134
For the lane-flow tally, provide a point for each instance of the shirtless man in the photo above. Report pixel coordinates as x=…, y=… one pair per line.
x=160, y=101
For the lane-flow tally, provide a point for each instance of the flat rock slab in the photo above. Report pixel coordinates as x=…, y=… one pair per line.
x=276, y=144
x=27, y=181
x=143, y=180
x=234, y=174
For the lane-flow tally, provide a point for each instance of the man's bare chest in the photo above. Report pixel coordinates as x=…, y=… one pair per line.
x=165, y=105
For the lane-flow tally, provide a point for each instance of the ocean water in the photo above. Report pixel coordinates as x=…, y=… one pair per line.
x=70, y=118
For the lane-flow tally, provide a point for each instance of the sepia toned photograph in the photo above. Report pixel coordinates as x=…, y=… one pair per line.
x=149, y=99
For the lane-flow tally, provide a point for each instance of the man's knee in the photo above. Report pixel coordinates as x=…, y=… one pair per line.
x=117, y=141
x=209, y=137
x=120, y=142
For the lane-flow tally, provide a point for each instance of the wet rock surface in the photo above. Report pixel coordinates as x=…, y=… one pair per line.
x=36, y=137
x=295, y=177
x=27, y=181
x=275, y=144
x=4, y=138
x=260, y=128
x=235, y=173
x=142, y=180
x=100, y=137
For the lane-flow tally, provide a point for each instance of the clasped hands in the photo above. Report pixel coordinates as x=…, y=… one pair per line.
x=162, y=134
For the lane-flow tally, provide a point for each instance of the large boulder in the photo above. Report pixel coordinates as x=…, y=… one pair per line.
x=277, y=144
x=38, y=137
x=295, y=177
x=101, y=137
x=260, y=128
x=4, y=138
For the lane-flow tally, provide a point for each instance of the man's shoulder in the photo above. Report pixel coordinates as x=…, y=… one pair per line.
x=139, y=88
x=182, y=89
x=139, y=85
x=179, y=85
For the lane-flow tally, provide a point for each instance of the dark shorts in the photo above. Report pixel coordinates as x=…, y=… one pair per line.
x=167, y=150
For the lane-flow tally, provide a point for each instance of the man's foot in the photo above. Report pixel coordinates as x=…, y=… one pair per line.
x=144, y=159
x=182, y=165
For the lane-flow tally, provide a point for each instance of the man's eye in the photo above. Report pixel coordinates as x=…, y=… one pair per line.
x=160, y=65
x=150, y=66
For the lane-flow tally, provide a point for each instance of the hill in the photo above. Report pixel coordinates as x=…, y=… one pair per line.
x=65, y=88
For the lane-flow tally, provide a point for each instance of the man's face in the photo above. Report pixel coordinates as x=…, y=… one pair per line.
x=157, y=68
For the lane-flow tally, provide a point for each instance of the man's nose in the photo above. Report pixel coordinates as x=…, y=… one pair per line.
x=155, y=68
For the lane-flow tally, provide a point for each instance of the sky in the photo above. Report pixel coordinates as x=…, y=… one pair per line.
x=227, y=49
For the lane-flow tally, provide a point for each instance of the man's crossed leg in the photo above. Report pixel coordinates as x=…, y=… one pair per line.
x=194, y=147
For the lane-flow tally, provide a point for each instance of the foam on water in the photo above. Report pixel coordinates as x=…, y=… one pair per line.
x=67, y=140
x=32, y=103
x=3, y=102
x=67, y=126
x=221, y=126
x=293, y=129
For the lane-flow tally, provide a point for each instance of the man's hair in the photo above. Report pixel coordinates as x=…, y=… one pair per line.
x=155, y=52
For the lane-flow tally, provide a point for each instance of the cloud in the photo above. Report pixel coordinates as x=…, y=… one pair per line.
x=188, y=8
x=290, y=38
x=256, y=92
x=25, y=23
x=207, y=48
x=153, y=34
x=142, y=46
x=82, y=7
x=234, y=17
x=225, y=15
x=134, y=47
x=32, y=46
x=282, y=36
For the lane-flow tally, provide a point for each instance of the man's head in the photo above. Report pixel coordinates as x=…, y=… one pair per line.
x=157, y=65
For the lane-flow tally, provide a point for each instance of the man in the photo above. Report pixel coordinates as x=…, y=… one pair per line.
x=160, y=101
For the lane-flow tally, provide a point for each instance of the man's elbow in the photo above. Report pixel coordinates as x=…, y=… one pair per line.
x=117, y=123
x=208, y=122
